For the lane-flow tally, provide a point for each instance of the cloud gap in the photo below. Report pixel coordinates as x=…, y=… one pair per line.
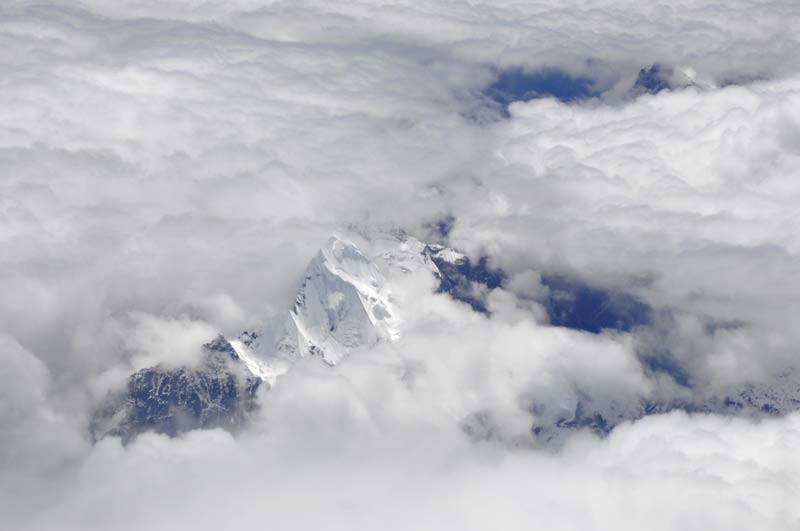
x=516, y=84
x=574, y=304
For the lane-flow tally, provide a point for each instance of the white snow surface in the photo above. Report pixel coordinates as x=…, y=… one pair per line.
x=447, y=254
x=344, y=303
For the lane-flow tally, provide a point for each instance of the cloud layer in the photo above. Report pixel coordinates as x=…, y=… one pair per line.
x=167, y=169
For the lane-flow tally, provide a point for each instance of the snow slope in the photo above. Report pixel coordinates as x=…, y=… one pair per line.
x=343, y=303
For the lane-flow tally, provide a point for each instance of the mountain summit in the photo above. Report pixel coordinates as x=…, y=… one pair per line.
x=345, y=303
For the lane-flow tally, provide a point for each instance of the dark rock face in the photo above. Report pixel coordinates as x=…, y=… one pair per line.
x=780, y=397
x=220, y=392
x=755, y=401
x=553, y=431
x=465, y=281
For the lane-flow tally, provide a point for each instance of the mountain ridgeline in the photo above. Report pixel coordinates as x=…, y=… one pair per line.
x=345, y=302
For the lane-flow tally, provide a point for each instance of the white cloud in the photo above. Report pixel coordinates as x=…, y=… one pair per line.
x=685, y=199
x=664, y=472
x=167, y=164
x=172, y=342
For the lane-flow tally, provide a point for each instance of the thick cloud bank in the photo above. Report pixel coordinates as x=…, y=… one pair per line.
x=169, y=167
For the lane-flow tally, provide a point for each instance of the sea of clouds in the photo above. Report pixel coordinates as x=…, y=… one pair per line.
x=168, y=168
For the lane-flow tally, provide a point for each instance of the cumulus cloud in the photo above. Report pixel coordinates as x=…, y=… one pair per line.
x=168, y=168
x=645, y=197
x=667, y=472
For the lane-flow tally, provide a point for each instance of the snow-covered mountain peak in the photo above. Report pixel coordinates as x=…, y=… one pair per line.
x=343, y=303
x=406, y=256
x=345, y=256
x=343, y=259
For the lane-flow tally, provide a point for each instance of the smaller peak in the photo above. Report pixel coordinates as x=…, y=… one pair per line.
x=344, y=259
x=343, y=249
x=446, y=254
x=222, y=346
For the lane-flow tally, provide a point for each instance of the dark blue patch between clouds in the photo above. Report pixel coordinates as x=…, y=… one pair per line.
x=467, y=282
x=653, y=79
x=576, y=305
x=516, y=84
x=571, y=303
x=664, y=362
x=445, y=225
x=519, y=85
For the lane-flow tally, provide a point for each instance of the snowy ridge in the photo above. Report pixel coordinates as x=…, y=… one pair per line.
x=344, y=303
x=407, y=256
x=446, y=254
